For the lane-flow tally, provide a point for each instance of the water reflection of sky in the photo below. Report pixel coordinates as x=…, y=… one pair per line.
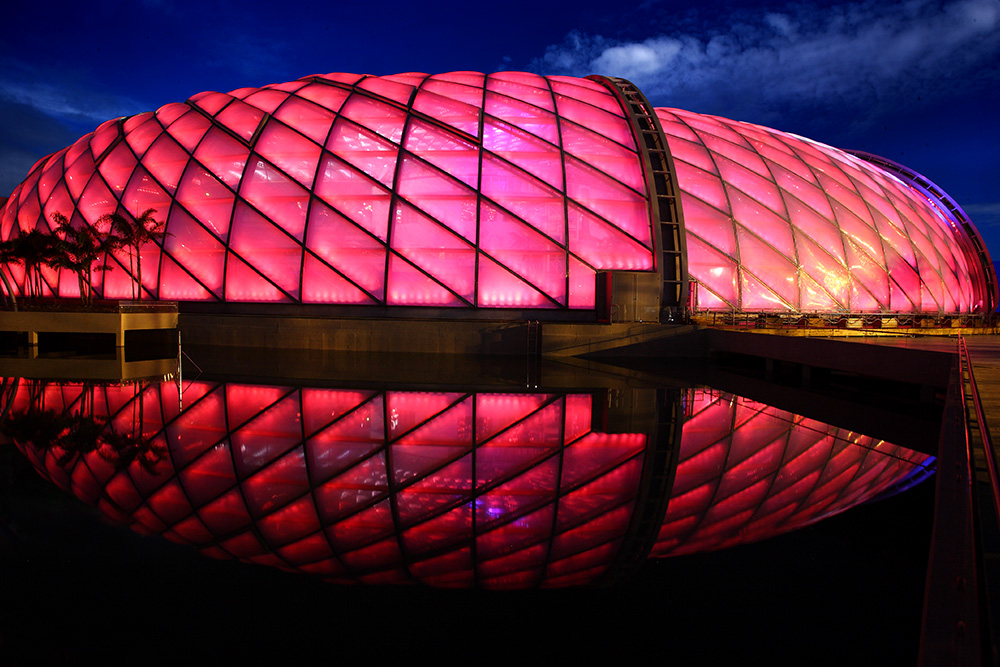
x=447, y=488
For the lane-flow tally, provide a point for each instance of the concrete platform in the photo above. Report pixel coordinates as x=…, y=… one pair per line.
x=128, y=316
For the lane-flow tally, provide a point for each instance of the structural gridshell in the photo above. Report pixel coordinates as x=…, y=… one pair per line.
x=507, y=190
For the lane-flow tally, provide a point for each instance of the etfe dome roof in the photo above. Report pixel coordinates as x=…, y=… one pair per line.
x=508, y=190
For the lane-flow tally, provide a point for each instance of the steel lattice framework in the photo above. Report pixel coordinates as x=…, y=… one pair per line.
x=508, y=190
x=777, y=222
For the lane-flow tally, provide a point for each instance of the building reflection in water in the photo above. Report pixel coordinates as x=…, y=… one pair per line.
x=446, y=488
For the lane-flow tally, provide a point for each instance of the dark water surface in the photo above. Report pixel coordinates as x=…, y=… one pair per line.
x=847, y=588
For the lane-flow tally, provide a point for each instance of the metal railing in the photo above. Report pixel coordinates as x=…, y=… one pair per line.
x=988, y=453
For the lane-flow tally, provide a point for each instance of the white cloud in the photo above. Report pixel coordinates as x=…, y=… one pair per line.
x=57, y=102
x=867, y=55
x=67, y=96
x=984, y=215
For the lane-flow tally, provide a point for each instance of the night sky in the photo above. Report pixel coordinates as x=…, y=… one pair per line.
x=917, y=82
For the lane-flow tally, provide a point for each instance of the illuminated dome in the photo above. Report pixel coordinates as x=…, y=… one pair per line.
x=509, y=190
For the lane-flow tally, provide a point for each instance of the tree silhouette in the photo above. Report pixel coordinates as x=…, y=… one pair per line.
x=78, y=249
x=135, y=233
x=34, y=249
x=7, y=256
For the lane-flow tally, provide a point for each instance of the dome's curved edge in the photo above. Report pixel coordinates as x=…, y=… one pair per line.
x=951, y=208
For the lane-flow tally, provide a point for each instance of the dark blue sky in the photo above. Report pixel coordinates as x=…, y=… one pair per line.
x=915, y=81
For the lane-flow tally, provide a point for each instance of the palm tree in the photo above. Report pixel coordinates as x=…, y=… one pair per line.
x=78, y=250
x=135, y=233
x=6, y=257
x=34, y=249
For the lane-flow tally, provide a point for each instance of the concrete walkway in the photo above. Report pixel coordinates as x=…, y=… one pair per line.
x=985, y=353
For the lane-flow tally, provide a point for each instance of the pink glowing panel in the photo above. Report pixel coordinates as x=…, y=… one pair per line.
x=364, y=150
x=243, y=283
x=179, y=284
x=409, y=286
x=622, y=207
x=143, y=193
x=105, y=135
x=537, y=157
x=773, y=229
x=166, y=161
x=97, y=200
x=78, y=173
x=437, y=251
x=715, y=226
x=450, y=152
x=312, y=120
x=267, y=248
x=223, y=156
x=525, y=196
x=610, y=157
x=189, y=129
x=499, y=287
x=140, y=135
x=525, y=252
x=582, y=284
x=328, y=98
x=604, y=246
x=266, y=100
x=860, y=233
x=523, y=86
x=458, y=114
x=281, y=199
x=713, y=270
x=195, y=248
x=207, y=199
x=750, y=185
x=539, y=122
x=57, y=202
x=823, y=230
x=355, y=195
x=209, y=102
x=588, y=91
x=291, y=152
x=871, y=282
x=51, y=175
x=703, y=185
x=740, y=154
x=824, y=270
x=607, y=124
x=389, y=89
x=384, y=119
x=241, y=118
x=116, y=168
x=448, y=201
x=355, y=252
